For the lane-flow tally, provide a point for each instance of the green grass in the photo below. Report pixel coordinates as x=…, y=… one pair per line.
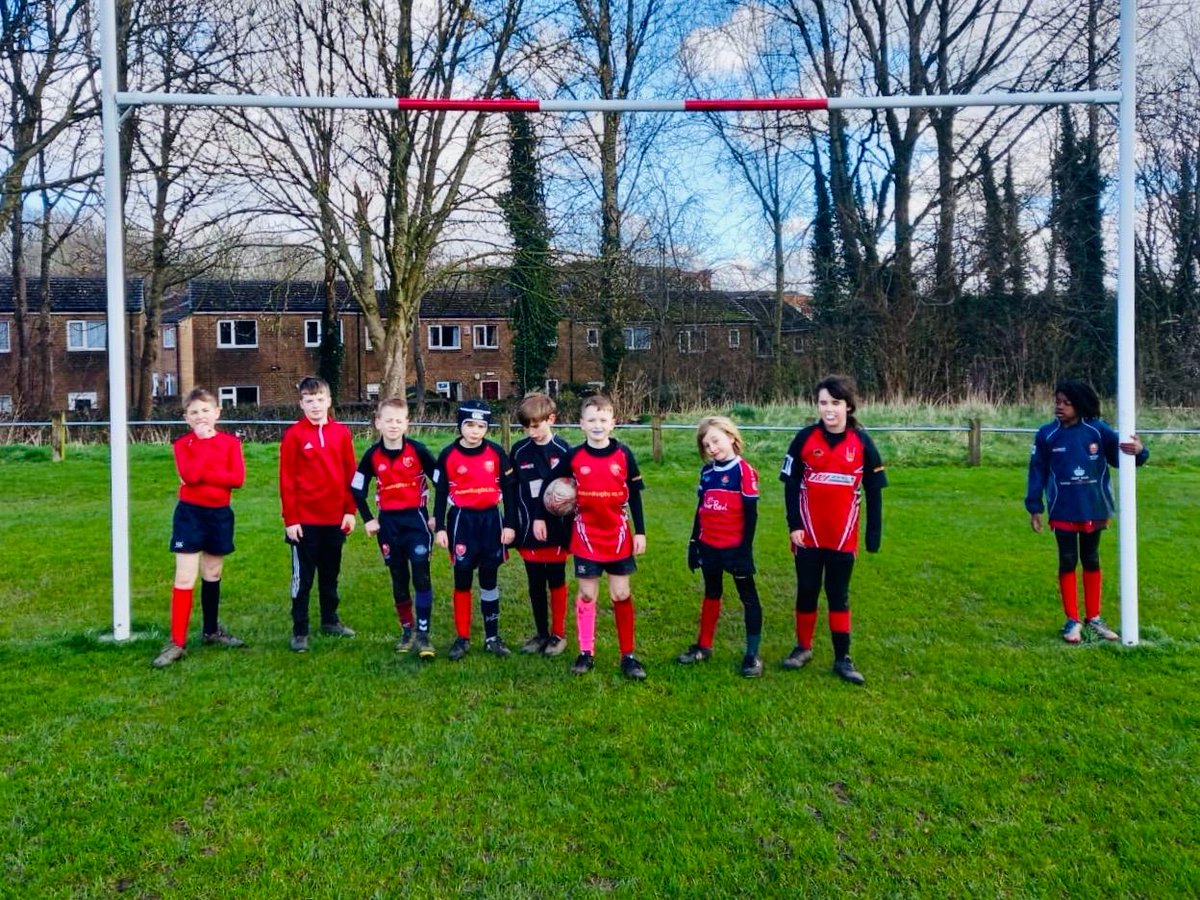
x=983, y=758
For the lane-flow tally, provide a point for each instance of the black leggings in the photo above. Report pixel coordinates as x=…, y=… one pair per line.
x=420, y=578
x=714, y=587
x=1077, y=546
x=543, y=577
x=835, y=566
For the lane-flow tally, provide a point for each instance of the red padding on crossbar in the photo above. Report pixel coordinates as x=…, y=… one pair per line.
x=769, y=103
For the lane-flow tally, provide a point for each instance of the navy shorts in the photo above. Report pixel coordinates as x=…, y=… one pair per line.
x=403, y=536
x=202, y=529
x=475, y=538
x=590, y=568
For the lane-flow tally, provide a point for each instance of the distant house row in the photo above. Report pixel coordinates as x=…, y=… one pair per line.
x=251, y=341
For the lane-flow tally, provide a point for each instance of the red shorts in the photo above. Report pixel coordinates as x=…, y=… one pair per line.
x=1086, y=527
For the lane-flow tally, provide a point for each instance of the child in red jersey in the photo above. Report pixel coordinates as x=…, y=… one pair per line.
x=723, y=538
x=534, y=457
x=210, y=467
x=400, y=467
x=316, y=466
x=607, y=479
x=472, y=475
x=828, y=467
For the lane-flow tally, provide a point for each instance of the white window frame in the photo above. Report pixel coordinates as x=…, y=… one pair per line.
x=5, y=337
x=169, y=387
x=316, y=323
x=482, y=343
x=6, y=405
x=73, y=397
x=440, y=330
x=81, y=332
x=367, y=345
x=232, y=343
x=691, y=340
x=735, y=338
x=631, y=335
x=483, y=394
x=227, y=395
x=373, y=389
x=552, y=387
x=168, y=337
x=451, y=390
x=593, y=337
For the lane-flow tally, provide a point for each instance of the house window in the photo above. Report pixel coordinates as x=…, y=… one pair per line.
x=451, y=390
x=692, y=340
x=238, y=395
x=367, y=345
x=552, y=387
x=312, y=332
x=170, y=389
x=489, y=390
x=82, y=401
x=373, y=390
x=5, y=337
x=6, y=405
x=237, y=333
x=593, y=337
x=486, y=337
x=735, y=338
x=87, y=335
x=797, y=344
x=762, y=344
x=637, y=338
x=444, y=337
x=155, y=380
x=168, y=337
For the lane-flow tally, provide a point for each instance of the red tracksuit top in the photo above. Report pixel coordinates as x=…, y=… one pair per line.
x=209, y=468
x=316, y=466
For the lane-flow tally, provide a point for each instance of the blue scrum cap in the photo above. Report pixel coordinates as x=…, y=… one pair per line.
x=474, y=411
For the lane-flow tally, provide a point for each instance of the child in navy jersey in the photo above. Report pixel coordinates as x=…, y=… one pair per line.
x=829, y=466
x=316, y=465
x=210, y=467
x=1069, y=466
x=723, y=538
x=607, y=480
x=533, y=457
x=471, y=477
x=400, y=467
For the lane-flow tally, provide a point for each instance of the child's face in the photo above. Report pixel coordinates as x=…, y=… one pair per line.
x=541, y=432
x=597, y=425
x=392, y=424
x=1064, y=409
x=718, y=445
x=473, y=432
x=201, y=416
x=832, y=412
x=316, y=406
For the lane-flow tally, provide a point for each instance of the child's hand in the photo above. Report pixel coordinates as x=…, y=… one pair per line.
x=639, y=544
x=443, y=539
x=1035, y=522
x=507, y=536
x=797, y=537
x=432, y=523
x=539, y=529
x=294, y=532
x=372, y=527
x=348, y=523
x=1133, y=446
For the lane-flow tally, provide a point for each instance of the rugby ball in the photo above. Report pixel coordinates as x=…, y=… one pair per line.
x=559, y=497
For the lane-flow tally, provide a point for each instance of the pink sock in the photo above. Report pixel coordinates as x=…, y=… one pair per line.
x=585, y=624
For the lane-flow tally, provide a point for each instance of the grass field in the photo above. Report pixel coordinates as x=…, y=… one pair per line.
x=983, y=758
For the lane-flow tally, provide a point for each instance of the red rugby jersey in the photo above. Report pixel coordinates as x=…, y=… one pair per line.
x=474, y=478
x=400, y=477
x=209, y=468
x=721, y=511
x=606, y=479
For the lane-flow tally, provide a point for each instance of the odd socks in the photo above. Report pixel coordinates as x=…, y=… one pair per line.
x=210, y=604
x=585, y=624
x=181, y=613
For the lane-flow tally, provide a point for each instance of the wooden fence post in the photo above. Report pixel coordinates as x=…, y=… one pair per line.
x=974, y=443
x=656, y=438
x=58, y=436
x=505, y=431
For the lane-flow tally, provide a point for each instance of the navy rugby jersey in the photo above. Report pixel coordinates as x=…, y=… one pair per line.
x=1070, y=467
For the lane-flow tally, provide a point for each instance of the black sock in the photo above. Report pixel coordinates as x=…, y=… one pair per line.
x=210, y=603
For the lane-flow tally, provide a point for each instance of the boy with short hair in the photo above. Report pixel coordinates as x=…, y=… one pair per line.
x=534, y=457
x=472, y=475
x=400, y=467
x=316, y=465
x=607, y=480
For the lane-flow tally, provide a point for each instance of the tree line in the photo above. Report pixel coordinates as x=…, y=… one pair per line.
x=947, y=252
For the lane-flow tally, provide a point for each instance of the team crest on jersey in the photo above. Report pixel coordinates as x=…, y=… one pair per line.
x=408, y=462
x=585, y=470
x=615, y=468
x=724, y=479
x=817, y=452
x=489, y=466
x=850, y=454
x=461, y=470
x=1093, y=448
x=382, y=467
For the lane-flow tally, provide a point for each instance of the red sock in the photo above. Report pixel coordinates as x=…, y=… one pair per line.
x=404, y=613
x=462, y=613
x=806, y=624
x=709, y=613
x=558, y=611
x=181, y=613
x=623, y=613
x=1091, y=593
x=1070, y=599
x=839, y=622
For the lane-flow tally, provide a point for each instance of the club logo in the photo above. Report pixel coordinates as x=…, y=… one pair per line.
x=461, y=470
x=460, y=550
x=851, y=452
x=585, y=470
x=382, y=467
x=386, y=549
x=408, y=462
x=1093, y=448
x=489, y=466
x=615, y=468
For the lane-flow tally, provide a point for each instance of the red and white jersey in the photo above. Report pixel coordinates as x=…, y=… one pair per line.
x=723, y=489
x=605, y=479
x=829, y=470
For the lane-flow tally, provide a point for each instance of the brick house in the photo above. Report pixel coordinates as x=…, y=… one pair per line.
x=79, y=336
